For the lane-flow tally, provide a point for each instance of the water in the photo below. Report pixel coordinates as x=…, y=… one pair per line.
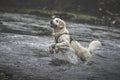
x=24, y=55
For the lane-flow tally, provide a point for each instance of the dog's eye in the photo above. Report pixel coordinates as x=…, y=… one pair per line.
x=56, y=20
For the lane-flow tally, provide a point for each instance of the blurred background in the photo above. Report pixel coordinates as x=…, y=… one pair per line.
x=100, y=12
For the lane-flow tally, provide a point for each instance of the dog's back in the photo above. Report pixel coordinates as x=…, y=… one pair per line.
x=84, y=53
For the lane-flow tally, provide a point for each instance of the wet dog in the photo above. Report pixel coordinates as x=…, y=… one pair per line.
x=71, y=49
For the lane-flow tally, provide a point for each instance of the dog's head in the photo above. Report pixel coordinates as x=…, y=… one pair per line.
x=57, y=23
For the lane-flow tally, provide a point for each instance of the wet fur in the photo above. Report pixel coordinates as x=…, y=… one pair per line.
x=64, y=42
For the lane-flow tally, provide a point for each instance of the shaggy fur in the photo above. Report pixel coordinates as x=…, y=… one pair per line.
x=65, y=45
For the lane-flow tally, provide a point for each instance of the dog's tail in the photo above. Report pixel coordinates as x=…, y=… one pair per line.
x=93, y=45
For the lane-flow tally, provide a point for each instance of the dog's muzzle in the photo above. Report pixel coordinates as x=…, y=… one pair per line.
x=52, y=25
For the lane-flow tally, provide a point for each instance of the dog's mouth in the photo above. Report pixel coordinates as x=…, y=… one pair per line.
x=52, y=25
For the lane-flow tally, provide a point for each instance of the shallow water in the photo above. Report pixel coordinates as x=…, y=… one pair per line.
x=24, y=55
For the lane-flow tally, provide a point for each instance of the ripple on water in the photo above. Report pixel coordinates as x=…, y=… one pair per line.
x=25, y=39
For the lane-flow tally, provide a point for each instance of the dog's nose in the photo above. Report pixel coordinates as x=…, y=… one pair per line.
x=51, y=22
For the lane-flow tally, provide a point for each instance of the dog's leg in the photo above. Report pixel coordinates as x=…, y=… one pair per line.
x=52, y=48
x=61, y=45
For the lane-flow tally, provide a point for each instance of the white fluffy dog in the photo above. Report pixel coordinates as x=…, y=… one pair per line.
x=70, y=48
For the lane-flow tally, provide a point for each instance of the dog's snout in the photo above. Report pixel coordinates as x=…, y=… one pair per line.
x=51, y=22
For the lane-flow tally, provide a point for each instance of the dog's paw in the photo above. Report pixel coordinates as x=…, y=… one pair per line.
x=53, y=46
x=51, y=49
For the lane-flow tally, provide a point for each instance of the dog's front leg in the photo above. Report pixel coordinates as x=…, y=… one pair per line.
x=52, y=48
x=61, y=45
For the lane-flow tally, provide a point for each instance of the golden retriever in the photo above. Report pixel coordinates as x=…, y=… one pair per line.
x=67, y=46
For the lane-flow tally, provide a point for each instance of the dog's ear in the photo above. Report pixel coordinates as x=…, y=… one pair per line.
x=53, y=16
x=62, y=24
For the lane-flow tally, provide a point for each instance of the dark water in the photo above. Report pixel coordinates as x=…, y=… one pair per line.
x=24, y=55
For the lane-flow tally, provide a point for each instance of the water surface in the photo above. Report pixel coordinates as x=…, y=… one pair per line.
x=24, y=55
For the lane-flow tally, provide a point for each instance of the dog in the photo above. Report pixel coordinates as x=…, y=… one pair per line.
x=68, y=46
